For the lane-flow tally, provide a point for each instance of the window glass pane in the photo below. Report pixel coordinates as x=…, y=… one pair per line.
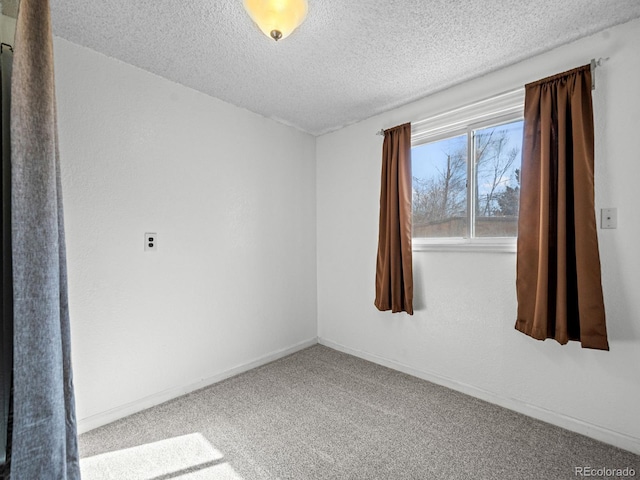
x=440, y=188
x=498, y=160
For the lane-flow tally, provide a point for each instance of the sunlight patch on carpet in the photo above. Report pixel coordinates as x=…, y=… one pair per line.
x=188, y=457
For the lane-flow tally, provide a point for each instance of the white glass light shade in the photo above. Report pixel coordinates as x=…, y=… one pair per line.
x=277, y=18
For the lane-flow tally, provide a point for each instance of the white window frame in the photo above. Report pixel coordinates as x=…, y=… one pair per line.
x=503, y=108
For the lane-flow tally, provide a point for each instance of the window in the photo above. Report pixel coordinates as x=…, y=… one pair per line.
x=466, y=176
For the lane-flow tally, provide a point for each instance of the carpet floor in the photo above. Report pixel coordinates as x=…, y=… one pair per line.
x=323, y=414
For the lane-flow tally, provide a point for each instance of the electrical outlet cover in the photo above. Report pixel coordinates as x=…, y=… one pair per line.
x=150, y=242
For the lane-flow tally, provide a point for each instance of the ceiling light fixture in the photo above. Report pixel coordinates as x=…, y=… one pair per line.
x=277, y=18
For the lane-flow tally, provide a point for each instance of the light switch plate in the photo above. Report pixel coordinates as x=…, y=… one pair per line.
x=609, y=218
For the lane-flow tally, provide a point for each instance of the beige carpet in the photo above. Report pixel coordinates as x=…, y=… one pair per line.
x=322, y=414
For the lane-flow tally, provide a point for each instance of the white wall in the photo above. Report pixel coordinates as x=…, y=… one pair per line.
x=7, y=29
x=462, y=334
x=231, y=196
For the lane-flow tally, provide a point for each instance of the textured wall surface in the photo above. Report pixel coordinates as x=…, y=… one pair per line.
x=462, y=333
x=7, y=29
x=231, y=196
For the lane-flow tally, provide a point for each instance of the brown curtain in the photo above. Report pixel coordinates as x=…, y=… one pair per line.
x=394, y=275
x=558, y=265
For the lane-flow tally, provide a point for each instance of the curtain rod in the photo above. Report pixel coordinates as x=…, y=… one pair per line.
x=594, y=64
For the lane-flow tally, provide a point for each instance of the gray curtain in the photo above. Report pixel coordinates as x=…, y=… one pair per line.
x=43, y=439
x=6, y=298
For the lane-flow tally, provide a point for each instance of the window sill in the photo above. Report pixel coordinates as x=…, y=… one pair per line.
x=485, y=245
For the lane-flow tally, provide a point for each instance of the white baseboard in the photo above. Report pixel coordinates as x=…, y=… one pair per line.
x=602, y=434
x=103, y=418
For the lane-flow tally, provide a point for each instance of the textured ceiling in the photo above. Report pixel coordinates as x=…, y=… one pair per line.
x=348, y=61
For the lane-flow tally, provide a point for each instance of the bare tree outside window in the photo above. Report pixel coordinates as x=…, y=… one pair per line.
x=441, y=189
